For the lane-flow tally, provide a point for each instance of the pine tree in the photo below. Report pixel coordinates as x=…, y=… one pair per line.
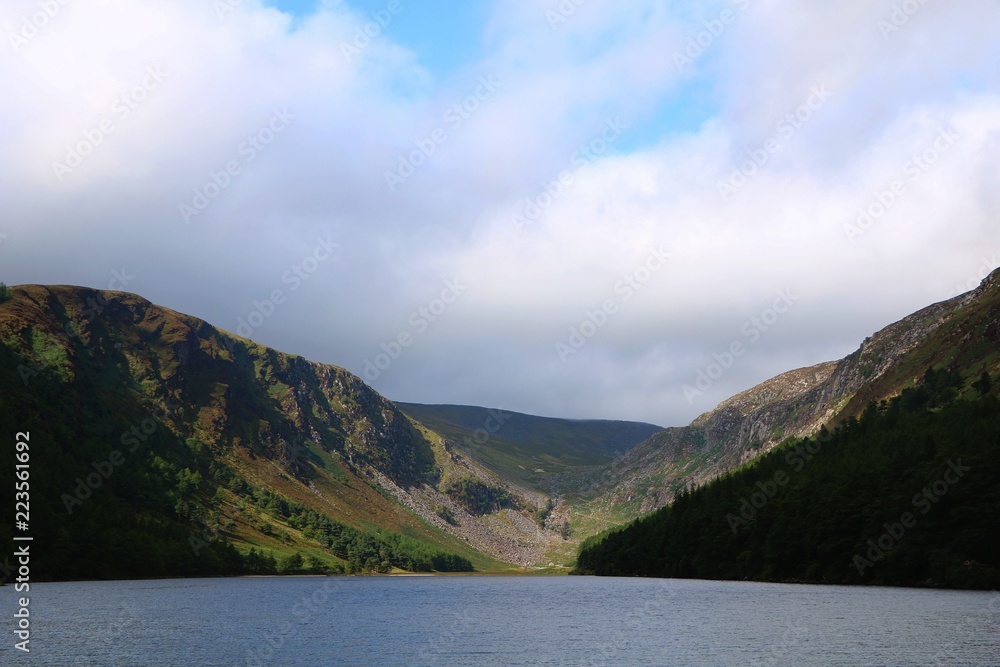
x=983, y=384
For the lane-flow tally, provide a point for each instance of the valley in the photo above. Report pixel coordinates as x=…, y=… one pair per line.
x=223, y=456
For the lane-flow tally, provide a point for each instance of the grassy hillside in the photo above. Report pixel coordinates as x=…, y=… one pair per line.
x=161, y=446
x=529, y=449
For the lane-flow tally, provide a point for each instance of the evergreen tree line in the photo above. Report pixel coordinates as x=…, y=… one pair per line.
x=378, y=551
x=905, y=495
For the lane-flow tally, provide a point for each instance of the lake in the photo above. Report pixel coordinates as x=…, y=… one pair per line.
x=499, y=620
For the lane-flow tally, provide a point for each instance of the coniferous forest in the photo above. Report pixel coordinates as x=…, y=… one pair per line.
x=904, y=495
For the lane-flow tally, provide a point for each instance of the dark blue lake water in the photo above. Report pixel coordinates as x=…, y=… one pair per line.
x=484, y=620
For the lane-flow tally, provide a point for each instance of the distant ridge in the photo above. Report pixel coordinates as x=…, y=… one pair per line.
x=576, y=441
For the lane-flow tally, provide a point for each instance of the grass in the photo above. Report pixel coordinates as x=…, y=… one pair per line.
x=517, y=446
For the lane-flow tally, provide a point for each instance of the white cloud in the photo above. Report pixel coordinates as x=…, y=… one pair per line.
x=324, y=173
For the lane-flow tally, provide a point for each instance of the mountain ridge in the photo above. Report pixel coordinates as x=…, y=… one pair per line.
x=527, y=447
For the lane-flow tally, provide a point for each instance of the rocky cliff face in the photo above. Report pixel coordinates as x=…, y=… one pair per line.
x=884, y=350
x=740, y=428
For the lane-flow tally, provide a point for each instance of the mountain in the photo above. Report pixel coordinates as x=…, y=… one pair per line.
x=915, y=401
x=529, y=456
x=529, y=449
x=905, y=495
x=961, y=333
x=162, y=446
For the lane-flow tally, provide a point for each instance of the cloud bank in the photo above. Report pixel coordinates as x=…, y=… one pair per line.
x=578, y=222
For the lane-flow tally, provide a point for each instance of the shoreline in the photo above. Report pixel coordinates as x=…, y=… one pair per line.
x=516, y=574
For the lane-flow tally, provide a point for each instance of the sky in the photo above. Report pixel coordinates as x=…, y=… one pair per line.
x=572, y=208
